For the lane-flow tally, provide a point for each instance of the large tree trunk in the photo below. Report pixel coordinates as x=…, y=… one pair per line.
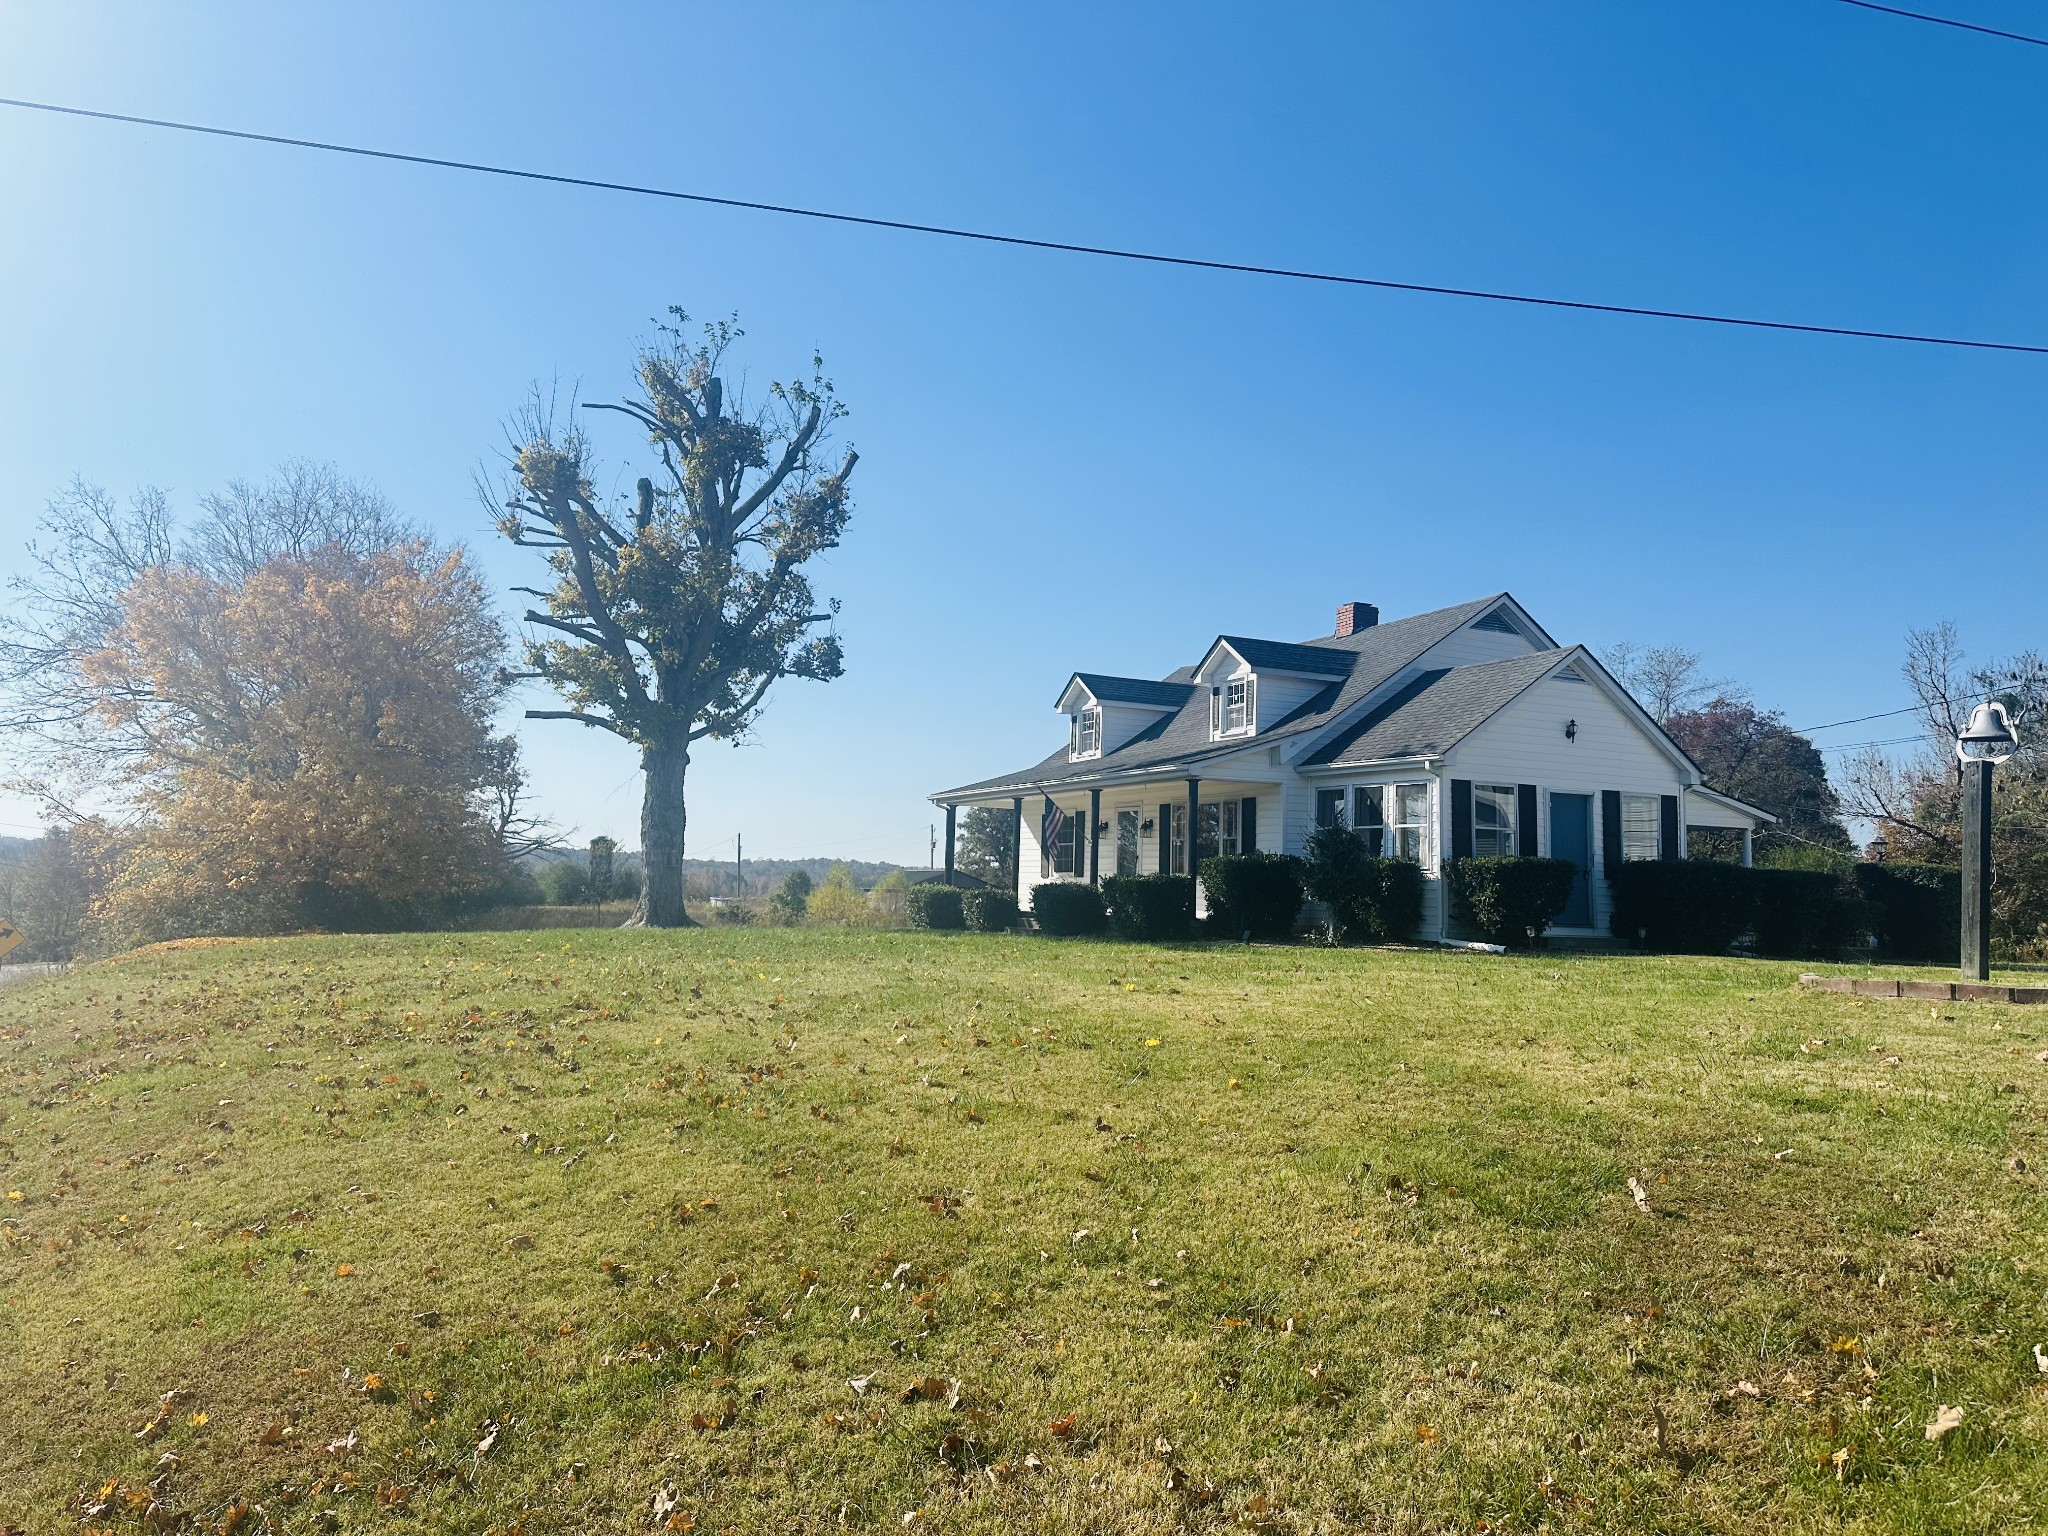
x=664, y=761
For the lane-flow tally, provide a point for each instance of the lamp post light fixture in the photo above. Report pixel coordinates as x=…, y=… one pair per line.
x=1985, y=742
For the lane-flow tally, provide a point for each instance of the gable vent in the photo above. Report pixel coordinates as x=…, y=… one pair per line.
x=1499, y=622
x=1569, y=675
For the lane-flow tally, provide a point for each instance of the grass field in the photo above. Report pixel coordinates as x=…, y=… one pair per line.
x=588, y=1231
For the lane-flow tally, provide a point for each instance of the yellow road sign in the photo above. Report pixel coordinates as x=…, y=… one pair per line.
x=10, y=936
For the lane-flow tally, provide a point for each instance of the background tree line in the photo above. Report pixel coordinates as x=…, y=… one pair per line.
x=281, y=714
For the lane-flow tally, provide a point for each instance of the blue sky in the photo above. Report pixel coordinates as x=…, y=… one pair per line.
x=1069, y=462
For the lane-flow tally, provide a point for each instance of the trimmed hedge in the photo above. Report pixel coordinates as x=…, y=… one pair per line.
x=1682, y=906
x=1067, y=908
x=1150, y=907
x=932, y=905
x=1919, y=909
x=1370, y=899
x=1802, y=914
x=1512, y=900
x=1255, y=893
x=989, y=911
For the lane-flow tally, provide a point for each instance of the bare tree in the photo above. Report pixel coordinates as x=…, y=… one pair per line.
x=1911, y=797
x=1668, y=680
x=672, y=616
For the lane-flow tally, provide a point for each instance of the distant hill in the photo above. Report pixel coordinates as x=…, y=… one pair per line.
x=14, y=847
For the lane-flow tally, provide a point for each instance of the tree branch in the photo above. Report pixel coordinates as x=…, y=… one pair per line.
x=602, y=722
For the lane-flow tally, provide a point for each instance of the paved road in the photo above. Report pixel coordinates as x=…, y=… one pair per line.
x=30, y=970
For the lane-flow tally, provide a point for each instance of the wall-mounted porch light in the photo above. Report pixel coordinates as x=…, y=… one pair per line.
x=1571, y=730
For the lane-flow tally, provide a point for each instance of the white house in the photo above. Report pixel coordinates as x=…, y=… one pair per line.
x=1467, y=731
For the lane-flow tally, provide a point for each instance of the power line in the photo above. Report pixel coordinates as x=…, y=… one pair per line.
x=1808, y=730
x=1156, y=258
x=1947, y=21
x=1853, y=746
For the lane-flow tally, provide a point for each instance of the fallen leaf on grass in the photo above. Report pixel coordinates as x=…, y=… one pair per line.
x=1061, y=1429
x=1945, y=1420
x=1639, y=1194
x=1425, y=1434
x=2041, y=1360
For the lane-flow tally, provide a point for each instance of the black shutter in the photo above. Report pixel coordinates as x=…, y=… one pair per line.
x=1248, y=825
x=1667, y=826
x=1610, y=831
x=1461, y=818
x=1044, y=841
x=1525, y=820
x=1166, y=838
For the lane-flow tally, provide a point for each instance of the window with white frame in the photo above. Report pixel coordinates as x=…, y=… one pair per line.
x=1493, y=821
x=1390, y=819
x=1232, y=707
x=1408, y=823
x=1085, y=735
x=1642, y=831
x=1177, y=844
x=1369, y=817
x=1216, y=830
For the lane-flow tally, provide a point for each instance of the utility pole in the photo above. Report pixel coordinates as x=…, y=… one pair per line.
x=931, y=852
x=739, y=881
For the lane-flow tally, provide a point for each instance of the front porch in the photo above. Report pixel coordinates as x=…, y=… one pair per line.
x=1137, y=826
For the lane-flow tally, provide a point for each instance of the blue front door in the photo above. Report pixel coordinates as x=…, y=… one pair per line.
x=1571, y=837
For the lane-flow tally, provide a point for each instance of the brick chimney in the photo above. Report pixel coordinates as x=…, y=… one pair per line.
x=1352, y=617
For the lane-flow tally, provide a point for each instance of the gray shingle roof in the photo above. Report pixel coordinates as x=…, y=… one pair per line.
x=1279, y=656
x=1132, y=690
x=1434, y=712
x=1375, y=655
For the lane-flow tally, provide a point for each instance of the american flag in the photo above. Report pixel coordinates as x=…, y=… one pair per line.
x=1050, y=826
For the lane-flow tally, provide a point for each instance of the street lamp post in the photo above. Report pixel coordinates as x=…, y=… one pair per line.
x=1987, y=741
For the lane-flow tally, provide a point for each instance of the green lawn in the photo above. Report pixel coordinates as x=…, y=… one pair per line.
x=798, y=1231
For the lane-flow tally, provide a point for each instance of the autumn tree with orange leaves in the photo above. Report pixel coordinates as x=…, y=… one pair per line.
x=294, y=732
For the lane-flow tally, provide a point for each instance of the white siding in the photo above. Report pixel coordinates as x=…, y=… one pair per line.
x=1465, y=646
x=1525, y=744
x=1120, y=722
x=1279, y=697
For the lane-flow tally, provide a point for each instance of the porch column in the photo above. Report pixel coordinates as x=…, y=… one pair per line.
x=951, y=813
x=1017, y=846
x=1094, y=837
x=1194, y=879
x=1748, y=834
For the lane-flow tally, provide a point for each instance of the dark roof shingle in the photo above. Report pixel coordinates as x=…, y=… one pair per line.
x=1132, y=690
x=1434, y=712
x=1281, y=656
x=1362, y=663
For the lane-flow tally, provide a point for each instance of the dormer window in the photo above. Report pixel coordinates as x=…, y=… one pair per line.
x=1233, y=707
x=1085, y=735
